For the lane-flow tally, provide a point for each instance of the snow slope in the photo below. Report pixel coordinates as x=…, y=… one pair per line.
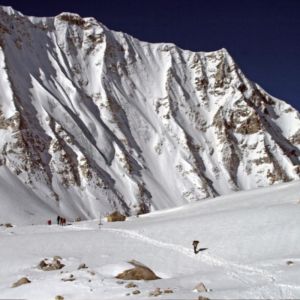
x=250, y=236
x=94, y=120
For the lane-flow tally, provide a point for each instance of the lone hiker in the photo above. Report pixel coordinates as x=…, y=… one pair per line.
x=58, y=220
x=195, y=245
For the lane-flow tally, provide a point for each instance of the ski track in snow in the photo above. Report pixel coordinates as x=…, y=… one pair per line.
x=212, y=260
x=234, y=270
x=247, y=275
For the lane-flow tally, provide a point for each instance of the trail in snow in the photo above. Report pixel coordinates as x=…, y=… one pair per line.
x=237, y=271
x=210, y=259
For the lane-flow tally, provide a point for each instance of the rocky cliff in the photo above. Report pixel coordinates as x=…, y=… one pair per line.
x=93, y=120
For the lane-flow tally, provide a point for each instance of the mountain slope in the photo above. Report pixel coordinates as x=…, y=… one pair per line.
x=251, y=239
x=94, y=120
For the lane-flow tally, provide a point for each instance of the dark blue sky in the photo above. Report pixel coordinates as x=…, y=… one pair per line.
x=262, y=36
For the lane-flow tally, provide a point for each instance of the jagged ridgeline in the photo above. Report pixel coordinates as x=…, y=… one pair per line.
x=94, y=120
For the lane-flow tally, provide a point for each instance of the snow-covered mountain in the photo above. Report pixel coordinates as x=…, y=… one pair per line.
x=94, y=120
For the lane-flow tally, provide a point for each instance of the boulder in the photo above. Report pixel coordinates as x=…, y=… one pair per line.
x=116, y=217
x=168, y=291
x=82, y=266
x=131, y=285
x=55, y=265
x=157, y=292
x=139, y=272
x=57, y=257
x=23, y=280
x=42, y=264
x=203, y=298
x=51, y=266
x=70, y=278
x=58, y=297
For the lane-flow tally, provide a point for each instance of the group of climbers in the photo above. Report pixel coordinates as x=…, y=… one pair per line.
x=60, y=221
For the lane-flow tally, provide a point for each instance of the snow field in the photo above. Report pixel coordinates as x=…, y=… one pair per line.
x=249, y=236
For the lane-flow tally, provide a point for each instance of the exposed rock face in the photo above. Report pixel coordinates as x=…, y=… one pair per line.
x=92, y=119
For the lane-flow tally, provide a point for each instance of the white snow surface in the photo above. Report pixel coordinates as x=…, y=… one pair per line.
x=250, y=236
x=94, y=120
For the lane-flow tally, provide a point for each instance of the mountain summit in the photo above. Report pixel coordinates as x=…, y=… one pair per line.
x=93, y=120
